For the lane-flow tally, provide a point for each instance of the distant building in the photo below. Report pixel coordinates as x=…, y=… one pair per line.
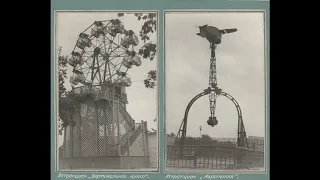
x=233, y=140
x=170, y=140
x=256, y=142
x=153, y=149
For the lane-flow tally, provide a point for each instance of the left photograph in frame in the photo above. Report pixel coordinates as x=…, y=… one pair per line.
x=106, y=99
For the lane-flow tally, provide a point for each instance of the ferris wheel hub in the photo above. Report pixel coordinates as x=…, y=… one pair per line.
x=97, y=51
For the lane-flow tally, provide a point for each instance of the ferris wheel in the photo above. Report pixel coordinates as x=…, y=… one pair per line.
x=103, y=54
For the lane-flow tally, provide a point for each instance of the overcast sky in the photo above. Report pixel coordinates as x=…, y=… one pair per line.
x=240, y=69
x=142, y=101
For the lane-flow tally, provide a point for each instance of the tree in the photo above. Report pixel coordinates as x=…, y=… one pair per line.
x=62, y=69
x=148, y=50
x=66, y=101
x=206, y=137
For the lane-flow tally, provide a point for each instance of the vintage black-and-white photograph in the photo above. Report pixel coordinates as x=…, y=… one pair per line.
x=215, y=92
x=106, y=67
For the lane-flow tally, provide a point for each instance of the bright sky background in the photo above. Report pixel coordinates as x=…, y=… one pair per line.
x=142, y=101
x=240, y=68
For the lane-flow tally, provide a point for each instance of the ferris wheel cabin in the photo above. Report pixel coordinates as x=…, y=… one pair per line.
x=103, y=135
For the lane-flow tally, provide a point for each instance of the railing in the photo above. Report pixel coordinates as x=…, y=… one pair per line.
x=126, y=136
x=256, y=146
x=248, y=158
x=137, y=144
x=124, y=97
x=252, y=144
x=108, y=95
x=126, y=115
x=125, y=149
x=213, y=157
x=134, y=136
x=101, y=94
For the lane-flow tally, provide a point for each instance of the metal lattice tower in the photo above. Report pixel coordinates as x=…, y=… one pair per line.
x=213, y=81
x=213, y=35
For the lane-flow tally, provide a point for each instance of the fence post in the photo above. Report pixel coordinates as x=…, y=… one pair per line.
x=128, y=147
x=105, y=138
x=118, y=125
x=96, y=117
x=79, y=130
x=64, y=150
x=71, y=138
x=146, y=138
x=235, y=158
x=143, y=139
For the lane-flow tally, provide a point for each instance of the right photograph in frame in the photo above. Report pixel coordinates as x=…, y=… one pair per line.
x=215, y=91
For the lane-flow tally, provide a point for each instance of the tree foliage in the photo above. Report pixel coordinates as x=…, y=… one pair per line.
x=205, y=139
x=67, y=100
x=148, y=50
x=150, y=81
x=62, y=69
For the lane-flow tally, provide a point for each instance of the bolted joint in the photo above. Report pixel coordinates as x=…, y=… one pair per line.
x=214, y=85
x=207, y=91
x=96, y=51
x=218, y=90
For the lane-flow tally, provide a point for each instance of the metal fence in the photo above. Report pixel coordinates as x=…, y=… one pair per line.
x=213, y=157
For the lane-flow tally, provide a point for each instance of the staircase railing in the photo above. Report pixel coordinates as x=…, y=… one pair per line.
x=126, y=115
x=125, y=136
x=134, y=136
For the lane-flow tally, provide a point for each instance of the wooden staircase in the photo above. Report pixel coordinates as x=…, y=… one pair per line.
x=135, y=139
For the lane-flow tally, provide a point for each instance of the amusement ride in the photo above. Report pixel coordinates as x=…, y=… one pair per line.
x=101, y=59
x=214, y=36
x=103, y=54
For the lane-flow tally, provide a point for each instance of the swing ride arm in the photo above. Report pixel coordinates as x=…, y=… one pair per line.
x=241, y=134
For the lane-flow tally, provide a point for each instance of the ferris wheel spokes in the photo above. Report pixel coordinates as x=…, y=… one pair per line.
x=101, y=54
x=98, y=70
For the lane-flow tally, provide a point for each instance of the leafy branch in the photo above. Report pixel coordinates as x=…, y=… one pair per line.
x=148, y=50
